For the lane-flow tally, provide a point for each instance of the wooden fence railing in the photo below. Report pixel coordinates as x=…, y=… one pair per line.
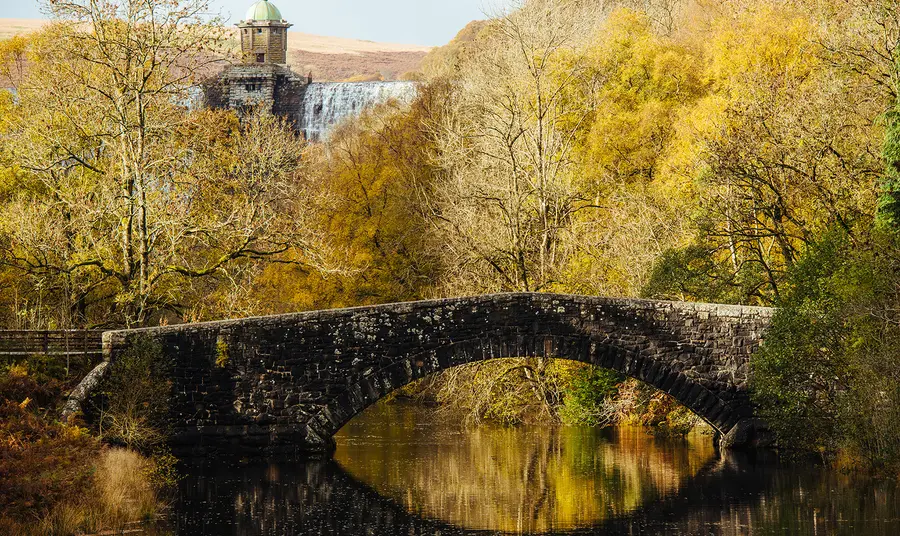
x=71, y=343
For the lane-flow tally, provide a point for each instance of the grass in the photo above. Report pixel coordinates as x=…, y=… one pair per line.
x=118, y=494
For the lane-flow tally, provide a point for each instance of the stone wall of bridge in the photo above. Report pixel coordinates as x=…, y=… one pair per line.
x=289, y=382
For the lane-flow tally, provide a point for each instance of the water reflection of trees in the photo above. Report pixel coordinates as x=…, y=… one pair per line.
x=524, y=479
x=394, y=474
x=734, y=495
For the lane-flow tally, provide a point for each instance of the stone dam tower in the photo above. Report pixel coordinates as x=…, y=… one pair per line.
x=263, y=79
x=264, y=35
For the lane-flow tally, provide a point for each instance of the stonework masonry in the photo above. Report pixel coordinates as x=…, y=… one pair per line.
x=288, y=383
x=266, y=38
x=275, y=88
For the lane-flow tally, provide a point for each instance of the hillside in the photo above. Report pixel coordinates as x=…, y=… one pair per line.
x=328, y=58
x=11, y=27
x=336, y=58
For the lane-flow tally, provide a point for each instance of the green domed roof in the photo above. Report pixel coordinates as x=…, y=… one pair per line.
x=263, y=10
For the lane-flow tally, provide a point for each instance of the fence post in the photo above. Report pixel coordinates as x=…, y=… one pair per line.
x=68, y=351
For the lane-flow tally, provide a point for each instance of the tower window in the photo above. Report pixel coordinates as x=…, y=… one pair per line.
x=259, y=30
x=260, y=58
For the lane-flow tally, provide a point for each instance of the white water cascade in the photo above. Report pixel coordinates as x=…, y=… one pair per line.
x=327, y=104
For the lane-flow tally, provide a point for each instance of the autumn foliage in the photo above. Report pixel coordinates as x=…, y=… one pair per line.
x=691, y=150
x=62, y=454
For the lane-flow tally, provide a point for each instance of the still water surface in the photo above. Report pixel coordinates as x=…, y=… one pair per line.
x=398, y=472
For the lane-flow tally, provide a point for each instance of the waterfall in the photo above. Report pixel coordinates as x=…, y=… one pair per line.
x=327, y=104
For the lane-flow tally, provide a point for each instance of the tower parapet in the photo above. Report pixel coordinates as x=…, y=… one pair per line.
x=271, y=87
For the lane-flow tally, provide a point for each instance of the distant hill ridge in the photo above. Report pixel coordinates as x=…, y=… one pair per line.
x=328, y=58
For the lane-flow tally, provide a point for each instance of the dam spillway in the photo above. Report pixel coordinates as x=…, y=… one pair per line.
x=326, y=104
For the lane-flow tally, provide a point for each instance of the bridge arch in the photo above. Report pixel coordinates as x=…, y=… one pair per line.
x=652, y=368
x=289, y=382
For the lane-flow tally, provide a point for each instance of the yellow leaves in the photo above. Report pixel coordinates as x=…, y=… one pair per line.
x=626, y=142
x=75, y=432
x=13, y=56
x=745, y=85
x=10, y=181
x=625, y=30
x=366, y=179
x=695, y=127
x=13, y=47
x=18, y=370
x=765, y=44
x=631, y=59
x=648, y=80
x=448, y=59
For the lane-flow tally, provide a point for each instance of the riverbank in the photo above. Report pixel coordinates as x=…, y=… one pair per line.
x=549, y=391
x=59, y=479
x=516, y=392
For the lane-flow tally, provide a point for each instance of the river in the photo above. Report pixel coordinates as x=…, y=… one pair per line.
x=399, y=471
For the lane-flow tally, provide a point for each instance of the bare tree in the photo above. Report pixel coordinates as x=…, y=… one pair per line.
x=507, y=149
x=863, y=37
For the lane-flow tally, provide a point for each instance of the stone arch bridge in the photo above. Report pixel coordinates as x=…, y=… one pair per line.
x=290, y=382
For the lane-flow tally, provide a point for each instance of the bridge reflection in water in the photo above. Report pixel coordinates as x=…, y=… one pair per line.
x=395, y=474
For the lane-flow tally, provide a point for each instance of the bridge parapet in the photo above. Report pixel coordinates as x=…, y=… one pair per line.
x=289, y=382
